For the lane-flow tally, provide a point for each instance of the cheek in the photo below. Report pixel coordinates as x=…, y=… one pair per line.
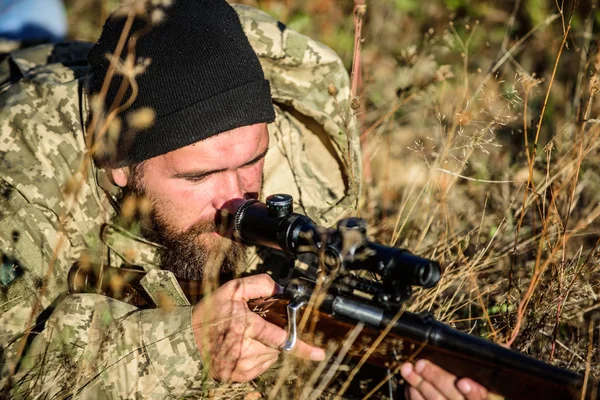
x=182, y=205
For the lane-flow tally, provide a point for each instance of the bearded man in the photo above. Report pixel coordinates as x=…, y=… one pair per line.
x=184, y=123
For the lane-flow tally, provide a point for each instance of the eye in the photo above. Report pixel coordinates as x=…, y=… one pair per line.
x=196, y=179
x=252, y=163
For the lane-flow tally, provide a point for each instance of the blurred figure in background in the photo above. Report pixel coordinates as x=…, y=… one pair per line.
x=33, y=20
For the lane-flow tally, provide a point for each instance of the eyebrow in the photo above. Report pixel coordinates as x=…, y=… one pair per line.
x=203, y=174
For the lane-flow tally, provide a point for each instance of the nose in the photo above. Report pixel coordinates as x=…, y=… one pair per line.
x=229, y=193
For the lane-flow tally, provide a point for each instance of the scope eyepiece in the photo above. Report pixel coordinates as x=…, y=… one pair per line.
x=429, y=275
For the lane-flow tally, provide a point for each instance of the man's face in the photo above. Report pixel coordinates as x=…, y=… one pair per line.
x=190, y=189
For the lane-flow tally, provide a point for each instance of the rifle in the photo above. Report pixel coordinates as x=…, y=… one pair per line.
x=344, y=300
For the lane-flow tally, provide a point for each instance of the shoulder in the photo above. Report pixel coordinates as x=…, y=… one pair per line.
x=315, y=155
x=42, y=145
x=41, y=133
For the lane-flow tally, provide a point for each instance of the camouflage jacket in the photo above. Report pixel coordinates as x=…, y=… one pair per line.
x=55, y=206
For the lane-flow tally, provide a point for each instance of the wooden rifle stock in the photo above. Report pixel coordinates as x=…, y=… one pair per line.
x=501, y=370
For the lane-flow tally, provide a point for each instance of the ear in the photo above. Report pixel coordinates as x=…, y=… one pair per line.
x=120, y=176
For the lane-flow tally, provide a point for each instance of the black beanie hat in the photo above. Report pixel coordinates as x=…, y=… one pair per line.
x=203, y=79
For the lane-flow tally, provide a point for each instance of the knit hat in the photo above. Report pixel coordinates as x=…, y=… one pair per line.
x=203, y=78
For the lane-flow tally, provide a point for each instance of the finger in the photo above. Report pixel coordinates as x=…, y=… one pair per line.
x=412, y=394
x=244, y=376
x=255, y=355
x=260, y=353
x=429, y=392
x=274, y=337
x=410, y=376
x=265, y=332
x=307, y=352
x=471, y=389
x=233, y=366
x=251, y=287
x=442, y=380
x=419, y=384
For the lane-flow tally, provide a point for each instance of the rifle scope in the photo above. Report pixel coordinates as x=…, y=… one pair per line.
x=274, y=224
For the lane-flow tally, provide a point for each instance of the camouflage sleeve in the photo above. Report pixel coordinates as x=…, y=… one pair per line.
x=89, y=344
x=96, y=347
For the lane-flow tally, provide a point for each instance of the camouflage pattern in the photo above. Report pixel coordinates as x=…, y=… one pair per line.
x=56, y=209
x=163, y=289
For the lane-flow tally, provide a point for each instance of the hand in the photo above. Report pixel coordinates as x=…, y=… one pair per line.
x=427, y=381
x=236, y=344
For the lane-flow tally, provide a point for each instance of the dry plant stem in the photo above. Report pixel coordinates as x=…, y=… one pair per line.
x=396, y=234
x=469, y=178
x=338, y=361
x=382, y=119
x=563, y=298
x=318, y=372
x=281, y=377
x=531, y=183
x=593, y=138
x=517, y=46
x=548, y=164
x=540, y=270
x=359, y=12
x=580, y=157
x=525, y=104
x=584, y=60
x=534, y=279
x=110, y=74
x=561, y=8
x=482, y=305
x=588, y=363
x=465, y=54
x=510, y=25
x=487, y=196
x=421, y=238
x=383, y=382
x=208, y=286
x=356, y=103
x=539, y=125
x=369, y=351
x=580, y=152
x=355, y=77
x=474, y=280
x=116, y=108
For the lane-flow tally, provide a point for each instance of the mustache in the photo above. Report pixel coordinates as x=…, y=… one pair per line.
x=202, y=226
x=220, y=224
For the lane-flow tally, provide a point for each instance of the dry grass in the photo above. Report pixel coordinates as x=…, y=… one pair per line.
x=481, y=143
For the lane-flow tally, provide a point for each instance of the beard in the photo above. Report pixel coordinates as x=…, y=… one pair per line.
x=196, y=253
